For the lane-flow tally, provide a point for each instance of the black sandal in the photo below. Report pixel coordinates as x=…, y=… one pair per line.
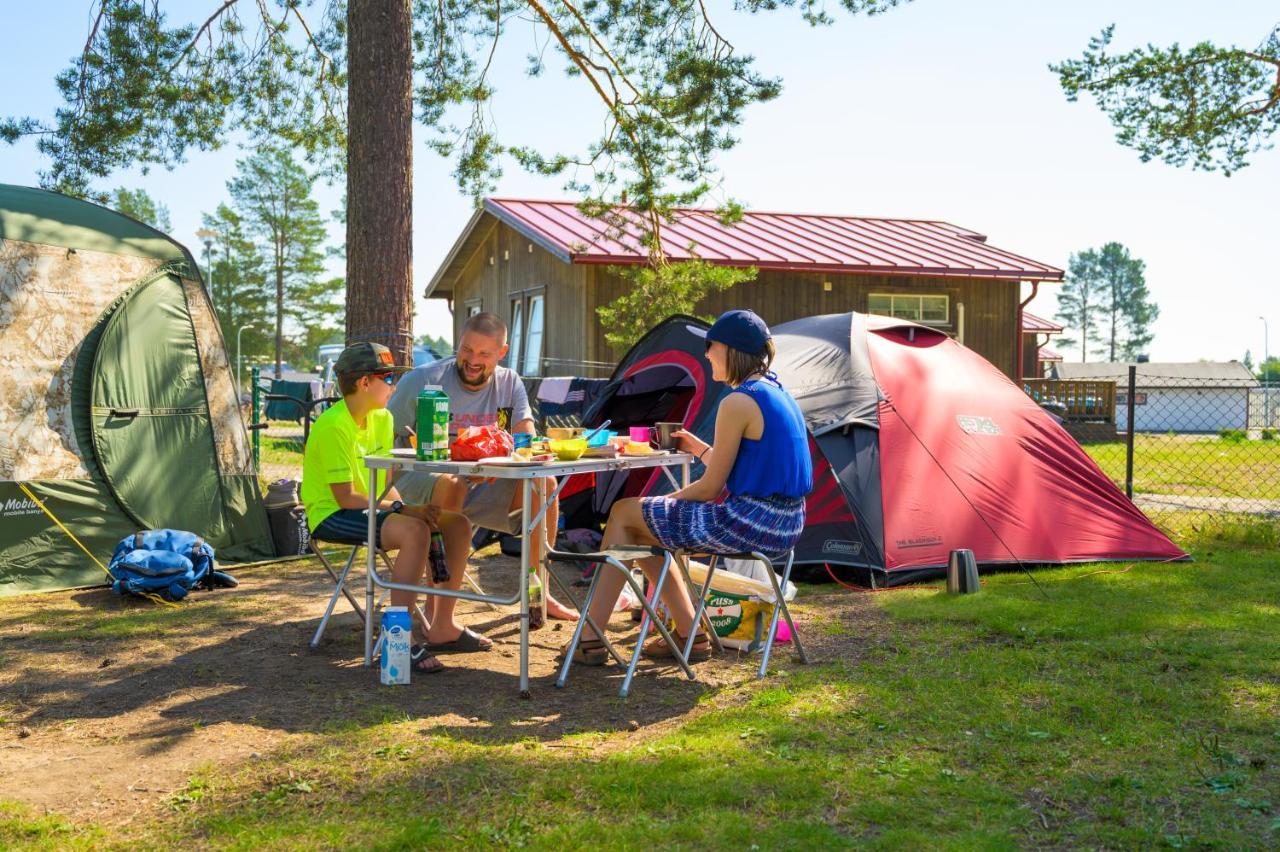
x=422, y=661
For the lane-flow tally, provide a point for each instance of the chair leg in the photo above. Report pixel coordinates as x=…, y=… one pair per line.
x=333, y=599
x=780, y=608
x=328, y=566
x=651, y=618
x=700, y=615
x=577, y=636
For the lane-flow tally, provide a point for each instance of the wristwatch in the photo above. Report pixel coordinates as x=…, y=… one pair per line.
x=396, y=506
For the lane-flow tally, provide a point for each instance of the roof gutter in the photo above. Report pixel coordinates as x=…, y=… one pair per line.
x=1017, y=346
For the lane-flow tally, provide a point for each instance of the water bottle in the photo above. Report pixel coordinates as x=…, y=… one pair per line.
x=535, y=599
x=433, y=424
x=439, y=568
x=397, y=632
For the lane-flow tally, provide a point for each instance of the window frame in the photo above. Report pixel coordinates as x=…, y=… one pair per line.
x=518, y=354
x=919, y=300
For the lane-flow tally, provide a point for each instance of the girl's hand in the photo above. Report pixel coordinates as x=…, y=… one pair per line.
x=690, y=443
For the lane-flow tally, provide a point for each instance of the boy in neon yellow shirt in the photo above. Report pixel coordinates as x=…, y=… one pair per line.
x=335, y=481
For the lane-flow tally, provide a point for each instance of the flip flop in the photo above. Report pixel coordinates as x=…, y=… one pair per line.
x=468, y=641
x=423, y=661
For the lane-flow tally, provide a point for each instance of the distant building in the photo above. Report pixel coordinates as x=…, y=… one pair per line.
x=543, y=267
x=1197, y=396
x=1036, y=355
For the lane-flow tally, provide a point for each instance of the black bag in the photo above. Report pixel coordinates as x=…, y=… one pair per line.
x=288, y=519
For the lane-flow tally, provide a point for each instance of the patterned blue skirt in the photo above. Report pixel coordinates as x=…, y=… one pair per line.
x=740, y=524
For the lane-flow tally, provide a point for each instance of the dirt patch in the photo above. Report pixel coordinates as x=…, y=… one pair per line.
x=108, y=706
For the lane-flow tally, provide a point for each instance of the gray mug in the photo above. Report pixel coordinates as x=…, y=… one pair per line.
x=665, y=433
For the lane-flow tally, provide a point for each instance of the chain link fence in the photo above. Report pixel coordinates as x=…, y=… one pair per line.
x=1189, y=450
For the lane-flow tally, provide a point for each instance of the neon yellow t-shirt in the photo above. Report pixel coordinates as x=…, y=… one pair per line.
x=335, y=453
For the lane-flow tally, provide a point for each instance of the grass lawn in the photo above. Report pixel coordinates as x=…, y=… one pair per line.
x=1121, y=706
x=1186, y=464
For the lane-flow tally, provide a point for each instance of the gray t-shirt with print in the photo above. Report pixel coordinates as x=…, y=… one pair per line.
x=502, y=402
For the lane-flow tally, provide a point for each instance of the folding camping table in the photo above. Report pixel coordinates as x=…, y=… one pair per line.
x=526, y=473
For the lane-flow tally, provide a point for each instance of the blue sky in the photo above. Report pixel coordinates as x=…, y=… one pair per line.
x=941, y=110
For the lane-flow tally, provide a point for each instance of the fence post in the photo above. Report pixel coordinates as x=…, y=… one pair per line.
x=1128, y=455
x=257, y=414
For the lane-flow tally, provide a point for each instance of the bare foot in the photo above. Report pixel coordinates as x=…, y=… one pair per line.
x=555, y=609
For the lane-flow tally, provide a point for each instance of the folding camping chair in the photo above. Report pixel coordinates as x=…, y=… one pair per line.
x=614, y=558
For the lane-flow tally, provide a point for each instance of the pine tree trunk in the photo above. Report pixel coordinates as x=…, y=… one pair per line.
x=380, y=175
x=279, y=316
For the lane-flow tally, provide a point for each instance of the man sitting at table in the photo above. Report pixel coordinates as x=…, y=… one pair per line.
x=335, y=481
x=481, y=393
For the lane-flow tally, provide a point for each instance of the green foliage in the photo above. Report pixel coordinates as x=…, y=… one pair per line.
x=238, y=285
x=1267, y=435
x=138, y=204
x=1210, y=106
x=147, y=89
x=1106, y=297
x=653, y=293
x=439, y=345
x=272, y=196
x=1232, y=436
x=1269, y=372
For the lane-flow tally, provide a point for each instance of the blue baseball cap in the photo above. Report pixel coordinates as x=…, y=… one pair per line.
x=741, y=330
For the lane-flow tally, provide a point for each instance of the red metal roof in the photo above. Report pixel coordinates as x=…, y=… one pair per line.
x=1047, y=354
x=787, y=241
x=1038, y=325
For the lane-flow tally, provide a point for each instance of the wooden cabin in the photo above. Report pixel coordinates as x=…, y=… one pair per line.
x=544, y=267
x=1037, y=357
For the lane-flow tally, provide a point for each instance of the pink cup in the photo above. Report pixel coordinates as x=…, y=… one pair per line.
x=640, y=434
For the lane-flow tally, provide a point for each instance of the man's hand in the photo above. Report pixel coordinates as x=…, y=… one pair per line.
x=428, y=513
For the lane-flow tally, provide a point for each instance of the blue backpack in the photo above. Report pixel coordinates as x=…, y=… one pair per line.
x=168, y=563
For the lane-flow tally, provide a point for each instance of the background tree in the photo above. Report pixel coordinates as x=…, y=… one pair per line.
x=439, y=345
x=1248, y=360
x=145, y=90
x=141, y=206
x=654, y=293
x=240, y=289
x=1269, y=372
x=1080, y=300
x=272, y=195
x=1127, y=310
x=1210, y=106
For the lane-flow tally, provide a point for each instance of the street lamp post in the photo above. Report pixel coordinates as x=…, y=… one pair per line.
x=206, y=236
x=1266, y=375
x=239, y=389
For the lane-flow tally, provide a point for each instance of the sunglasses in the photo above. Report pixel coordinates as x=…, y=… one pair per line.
x=389, y=378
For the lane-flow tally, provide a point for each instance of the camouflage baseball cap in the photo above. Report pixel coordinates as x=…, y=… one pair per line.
x=367, y=358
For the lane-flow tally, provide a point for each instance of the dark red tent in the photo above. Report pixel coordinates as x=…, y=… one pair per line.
x=920, y=446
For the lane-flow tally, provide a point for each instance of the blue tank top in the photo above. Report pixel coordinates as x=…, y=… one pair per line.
x=777, y=464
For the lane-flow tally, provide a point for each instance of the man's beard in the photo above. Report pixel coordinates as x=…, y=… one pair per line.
x=485, y=375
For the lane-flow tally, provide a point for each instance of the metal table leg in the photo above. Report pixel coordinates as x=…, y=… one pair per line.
x=527, y=495
x=371, y=549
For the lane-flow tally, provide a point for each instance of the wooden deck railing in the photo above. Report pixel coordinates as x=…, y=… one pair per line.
x=1084, y=400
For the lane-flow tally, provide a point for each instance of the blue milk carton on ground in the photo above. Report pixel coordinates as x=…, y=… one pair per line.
x=397, y=631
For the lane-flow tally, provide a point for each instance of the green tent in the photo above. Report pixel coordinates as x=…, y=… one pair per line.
x=117, y=406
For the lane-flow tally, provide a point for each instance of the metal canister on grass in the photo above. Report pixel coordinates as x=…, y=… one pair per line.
x=433, y=424
x=397, y=632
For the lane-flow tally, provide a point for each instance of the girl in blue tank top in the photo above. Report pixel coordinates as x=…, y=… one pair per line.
x=759, y=464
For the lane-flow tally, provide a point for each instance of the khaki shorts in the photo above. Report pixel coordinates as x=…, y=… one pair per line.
x=487, y=504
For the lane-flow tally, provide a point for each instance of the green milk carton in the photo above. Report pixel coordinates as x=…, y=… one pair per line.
x=433, y=424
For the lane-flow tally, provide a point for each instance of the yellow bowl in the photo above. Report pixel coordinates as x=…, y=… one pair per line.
x=558, y=433
x=570, y=450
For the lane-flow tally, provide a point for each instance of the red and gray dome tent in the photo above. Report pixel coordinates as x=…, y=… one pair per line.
x=920, y=446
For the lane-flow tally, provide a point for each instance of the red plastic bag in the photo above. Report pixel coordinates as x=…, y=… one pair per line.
x=480, y=442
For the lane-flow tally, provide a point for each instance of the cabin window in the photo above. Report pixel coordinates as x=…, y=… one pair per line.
x=517, y=333
x=473, y=308
x=533, y=338
x=927, y=309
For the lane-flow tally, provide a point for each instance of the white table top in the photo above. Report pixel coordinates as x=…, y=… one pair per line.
x=528, y=471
